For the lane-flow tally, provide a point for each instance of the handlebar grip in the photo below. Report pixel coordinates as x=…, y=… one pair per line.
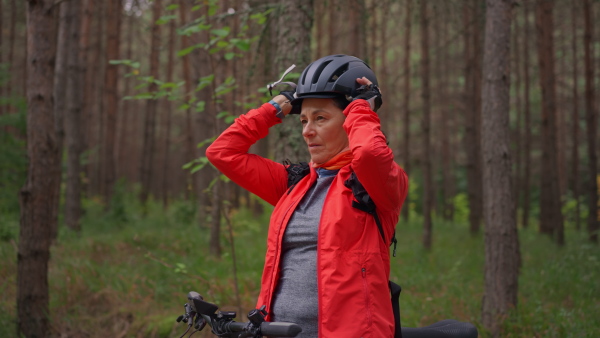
x=234, y=326
x=280, y=329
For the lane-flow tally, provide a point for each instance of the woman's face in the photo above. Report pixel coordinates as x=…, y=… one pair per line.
x=322, y=129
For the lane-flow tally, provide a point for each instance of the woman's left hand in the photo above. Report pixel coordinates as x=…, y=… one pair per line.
x=369, y=92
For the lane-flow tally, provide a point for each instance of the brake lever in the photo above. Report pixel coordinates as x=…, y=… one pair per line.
x=278, y=82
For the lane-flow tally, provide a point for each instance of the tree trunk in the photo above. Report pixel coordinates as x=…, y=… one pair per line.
x=190, y=151
x=113, y=20
x=39, y=195
x=518, y=107
x=425, y=128
x=125, y=148
x=74, y=138
x=166, y=173
x=85, y=35
x=551, y=221
x=574, y=181
x=406, y=101
x=294, y=24
x=63, y=48
x=358, y=43
x=501, y=239
x=528, y=133
x=147, y=172
x=11, y=47
x=2, y=48
x=592, y=125
x=473, y=113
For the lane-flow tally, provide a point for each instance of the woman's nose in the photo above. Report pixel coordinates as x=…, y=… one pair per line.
x=308, y=130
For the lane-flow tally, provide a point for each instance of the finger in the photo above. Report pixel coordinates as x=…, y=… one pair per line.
x=363, y=81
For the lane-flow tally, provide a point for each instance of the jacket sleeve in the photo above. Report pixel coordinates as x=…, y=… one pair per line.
x=229, y=154
x=373, y=161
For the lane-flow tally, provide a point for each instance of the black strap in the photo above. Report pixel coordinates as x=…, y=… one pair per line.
x=365, y=203
x=395, y=290
x=296, y=171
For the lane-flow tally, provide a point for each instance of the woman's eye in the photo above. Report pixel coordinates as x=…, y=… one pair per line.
x=303, y=121
x=320, y=117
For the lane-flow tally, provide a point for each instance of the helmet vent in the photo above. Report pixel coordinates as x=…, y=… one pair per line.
x=336, y=75
x=319, y=70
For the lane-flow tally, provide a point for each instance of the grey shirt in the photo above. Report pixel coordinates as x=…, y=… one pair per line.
x=296, y=297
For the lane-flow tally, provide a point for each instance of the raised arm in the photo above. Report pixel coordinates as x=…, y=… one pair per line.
x=229, y=154
x=373, y=161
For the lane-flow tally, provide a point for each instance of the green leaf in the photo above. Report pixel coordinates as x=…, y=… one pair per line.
x=212, y=10
x=204, y=82
x=165, y=19
x=241, y=44
x=222, y=44
x=200, y=106
x=144, y=96
x=172, y=7
x=197, y=28
x=222, y=32
x=189, y=49
x=229, y=56
x=222, y=114
x=208, y=140
x=168, y=85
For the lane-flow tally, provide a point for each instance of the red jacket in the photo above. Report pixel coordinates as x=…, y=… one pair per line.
x=353, y=264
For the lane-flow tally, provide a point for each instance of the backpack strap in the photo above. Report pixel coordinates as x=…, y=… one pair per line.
x=365, y=203
x=296, y=171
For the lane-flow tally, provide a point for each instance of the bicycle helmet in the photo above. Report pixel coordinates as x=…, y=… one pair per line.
x=332, y=76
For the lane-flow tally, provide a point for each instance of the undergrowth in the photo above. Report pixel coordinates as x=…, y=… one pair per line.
x=127, y=275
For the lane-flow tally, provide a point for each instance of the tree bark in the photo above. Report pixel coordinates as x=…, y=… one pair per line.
x=551, y=221
x=113, y=28
x=574, y=181
x=73, y=125
x=473, y=113
x=190, y=153
x=425, y=128
x=501, y=239
x=294, y=25
x=406, y=100
x=146, y=170
x=166, y=173
x=63, y=47
x=527, y=117
x=592, y=127
x=39, y=195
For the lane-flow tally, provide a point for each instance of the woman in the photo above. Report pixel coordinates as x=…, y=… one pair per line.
x=327, y=266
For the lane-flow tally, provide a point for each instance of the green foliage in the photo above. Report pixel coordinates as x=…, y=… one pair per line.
x=461, y=208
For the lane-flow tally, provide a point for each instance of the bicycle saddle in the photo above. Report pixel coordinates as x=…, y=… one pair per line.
x=448, y=328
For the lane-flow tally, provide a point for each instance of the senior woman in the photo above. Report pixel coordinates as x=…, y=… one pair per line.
x=327, y=265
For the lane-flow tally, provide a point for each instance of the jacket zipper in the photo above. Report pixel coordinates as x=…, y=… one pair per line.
x=366, y=291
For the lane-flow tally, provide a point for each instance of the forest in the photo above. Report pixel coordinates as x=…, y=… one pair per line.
x=110, y=211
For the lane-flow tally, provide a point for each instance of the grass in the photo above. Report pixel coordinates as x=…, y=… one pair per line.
x=127, y=276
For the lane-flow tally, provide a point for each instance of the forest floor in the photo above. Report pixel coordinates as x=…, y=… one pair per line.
x=127, y=275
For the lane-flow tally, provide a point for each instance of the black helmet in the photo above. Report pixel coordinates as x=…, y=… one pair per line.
x=332, y=76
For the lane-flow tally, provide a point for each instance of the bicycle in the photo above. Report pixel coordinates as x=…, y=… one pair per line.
x=199, y=313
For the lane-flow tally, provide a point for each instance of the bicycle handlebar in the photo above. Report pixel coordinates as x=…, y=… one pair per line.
x=198, y=313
